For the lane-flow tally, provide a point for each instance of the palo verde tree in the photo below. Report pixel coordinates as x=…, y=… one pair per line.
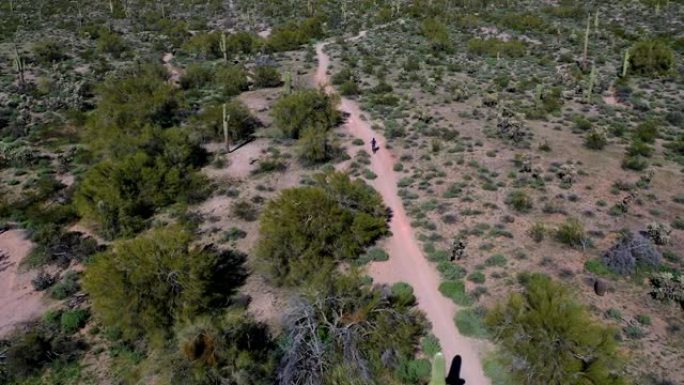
x=551, y=339
x=142, y=286
x=306, y=230
x=305, y=109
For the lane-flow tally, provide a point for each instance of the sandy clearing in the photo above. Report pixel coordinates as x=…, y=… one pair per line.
x=18, y=301
x=175, y=73
x=407, y=262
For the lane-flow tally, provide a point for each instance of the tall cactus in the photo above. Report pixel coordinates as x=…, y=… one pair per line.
x=223, y=46
x=596, y=21
x=226, y=119
x=438, y=370
x=585, y=55
x=539, y=93
x=592, y=80
x=19, y=65
x=288, y=83
x=625, y=63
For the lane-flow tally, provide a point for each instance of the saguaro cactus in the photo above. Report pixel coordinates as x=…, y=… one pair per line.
x=438, y=370
x=223, y=46
x=592, y=80
x=625, y=63
x=19, y=65
x=585, y=55
x=226, y=119
x=288, y=83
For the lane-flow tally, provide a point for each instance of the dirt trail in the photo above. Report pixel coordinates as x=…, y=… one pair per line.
x=407, y=262
x=18, y=301
x=175, y=73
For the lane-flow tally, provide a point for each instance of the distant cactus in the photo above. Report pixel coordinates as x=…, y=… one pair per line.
x=585, y=55
x=19, y=65
x=625, y=64
x=226, y=119
x=596, y=21
x=539, y=93
x=288, y=83
x=223, y=46
x=438, y=370
x=592, y=80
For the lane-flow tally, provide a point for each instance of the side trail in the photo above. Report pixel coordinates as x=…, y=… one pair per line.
x=407, y=262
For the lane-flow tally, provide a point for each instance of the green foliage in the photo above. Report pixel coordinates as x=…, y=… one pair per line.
x=476, y=277
x=196, y=76
x=304, y=109
x=646, y=131
x=66, y=287
x=596, y=140
x=537, y=231
x=635, y=162
x=127, y=104
x=571, y=233
x=520, y=201
x=73, y=320
x=668, y=287
x=241, y=122
x=651, y=58
x=48, y=52
x=470, y=322
x=231, y=79
x=450, y=271
x=143, y=285
x=314, y=146
x=351, y=325
x=493, y=47
x=455, y=290
x=305, y=230
x=496, y=260
x=403, y=293
x=430, y=345
x=437, y=33
x=291, y=36
x=553, y=338
x=413, y=371
x=438, y=376
x=597, y=267
x=266, y=76
x=110, y=43
x=119, y=195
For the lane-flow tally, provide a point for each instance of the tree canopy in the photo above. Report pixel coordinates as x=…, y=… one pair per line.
x=142, y=286
x=551, y=339
x=306, y=229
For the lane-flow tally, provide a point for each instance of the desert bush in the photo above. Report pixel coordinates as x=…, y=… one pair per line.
x=203, y=45
x=232, y=79
x=437, y=33
x=522, y=327
x=48, y=51
x=305, y=230
x=110, y=43
x=537, y=231
x=72, y=321
x=596, y=140
x=244, y=210
x=241, y=122
x=143, y=285
x=635, y=162
x=520, y=201
x=314, y=146
x=647, y=131
x=651, y=58
x=572, y=233
x=476, y=277
x=455, y=290
x=196, y=76
x=451, y=271
x=668, y=287
x=266, y=76
x=324, y=344
x=119, y=195
x=66, y=287
x=493, y=47
x=633, y=250
x=639, y=148
x=292, y=35
x=470, y=322
x=304, y=109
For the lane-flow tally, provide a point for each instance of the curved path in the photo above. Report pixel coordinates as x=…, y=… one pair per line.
x=407, y=262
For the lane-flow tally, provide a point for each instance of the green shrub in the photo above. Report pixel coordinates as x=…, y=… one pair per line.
x=414, y=371
x=437, y=33
x=266, y=76
x=643, y=319
x=493, y=47
x=304, y=109
x=637, y=148
x=455, y=290
x=430, y=345
x=241, y=122
x=48, y=51
x=636, y=163
x=66, y=287
x=537, y=231
x=571, y=233
x=470, y=322
x=651, y=58
x=143, y=285
x=496, y=260
x=73, y=320
x=306, y=230
x=596, y=140
x=597, y=267
x=647, y=131
x=520, y=201
x=313, y=145
x=451, y=271
x=476, y=277
x=232, y=79
x=522, y=326
x=111, y=43
x=196, y=76
x=402, y=292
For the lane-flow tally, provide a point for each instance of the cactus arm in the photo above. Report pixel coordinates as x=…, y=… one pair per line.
x=438, y=370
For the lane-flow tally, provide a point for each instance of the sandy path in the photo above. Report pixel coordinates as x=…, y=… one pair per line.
x=175, y=73
x=18, y=301
x=407, y=262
